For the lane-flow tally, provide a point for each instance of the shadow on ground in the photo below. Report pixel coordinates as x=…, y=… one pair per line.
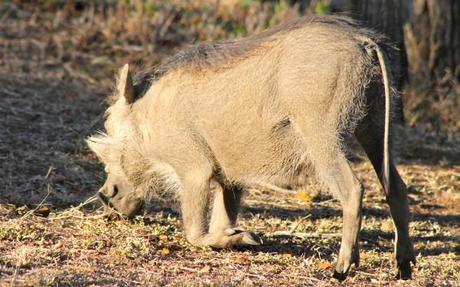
x=371, y=239
x=44, y=158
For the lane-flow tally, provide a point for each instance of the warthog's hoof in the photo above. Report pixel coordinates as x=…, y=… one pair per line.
x=344, y=265
x=340, y=275
x=404, y=256
x=231, y=238
x=238, y=237
x=405, y=270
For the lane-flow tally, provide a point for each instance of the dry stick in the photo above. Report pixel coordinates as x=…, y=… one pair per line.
x=194, y=270
x=164, y=26
x=325, y=201
x=15, y=275
x=292, y=232
x=267, y=187
x=367, y=273
x=67, y=213
x=68, y=68
x=294, y=228
x=87, y=201
x=305, y=235
x=28, y=213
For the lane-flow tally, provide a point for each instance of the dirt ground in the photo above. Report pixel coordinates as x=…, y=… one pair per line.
x=53, y=234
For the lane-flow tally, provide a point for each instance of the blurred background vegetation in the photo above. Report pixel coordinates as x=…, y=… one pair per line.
x=89, y=40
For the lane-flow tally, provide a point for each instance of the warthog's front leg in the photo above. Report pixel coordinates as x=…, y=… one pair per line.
x=195, y=196
x=351, y=192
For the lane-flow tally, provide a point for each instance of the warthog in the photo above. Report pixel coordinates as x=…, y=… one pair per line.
x=218, y=118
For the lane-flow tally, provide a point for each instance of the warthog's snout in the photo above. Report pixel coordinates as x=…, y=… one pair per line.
x=128, y=205
x=104, y=199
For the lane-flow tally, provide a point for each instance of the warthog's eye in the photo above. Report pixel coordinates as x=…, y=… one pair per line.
x=114, y=190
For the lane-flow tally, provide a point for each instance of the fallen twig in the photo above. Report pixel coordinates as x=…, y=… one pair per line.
x=304, y=234
x=69, y=212
x=28, y=213
x=294, y=227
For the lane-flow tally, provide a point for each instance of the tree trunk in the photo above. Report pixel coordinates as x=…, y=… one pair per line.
x=387, y=17
x=433, y=49
x=433, y=41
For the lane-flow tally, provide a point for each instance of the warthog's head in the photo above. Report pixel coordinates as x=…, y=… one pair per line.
x=118, y=194
x=119, y=191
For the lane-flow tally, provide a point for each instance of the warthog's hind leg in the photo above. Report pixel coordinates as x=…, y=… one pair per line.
x=370, y=136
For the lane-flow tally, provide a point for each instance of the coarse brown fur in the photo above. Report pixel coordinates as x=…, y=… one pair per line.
x=217, y=118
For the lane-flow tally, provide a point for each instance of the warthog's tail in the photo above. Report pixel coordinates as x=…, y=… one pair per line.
x=387, y=85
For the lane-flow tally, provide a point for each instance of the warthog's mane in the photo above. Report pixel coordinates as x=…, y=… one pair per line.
x=209, y=55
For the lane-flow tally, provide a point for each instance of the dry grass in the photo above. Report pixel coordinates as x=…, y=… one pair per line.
x=52, y=85
x=82, y=248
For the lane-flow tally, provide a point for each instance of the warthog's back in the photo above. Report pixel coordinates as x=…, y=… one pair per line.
x=213, y=56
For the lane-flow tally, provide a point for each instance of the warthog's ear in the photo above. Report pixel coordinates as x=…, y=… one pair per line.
x=99, y=145
x=125, y=87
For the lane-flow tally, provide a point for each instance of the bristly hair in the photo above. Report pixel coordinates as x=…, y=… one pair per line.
x=205, y=55
x=100, y=138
